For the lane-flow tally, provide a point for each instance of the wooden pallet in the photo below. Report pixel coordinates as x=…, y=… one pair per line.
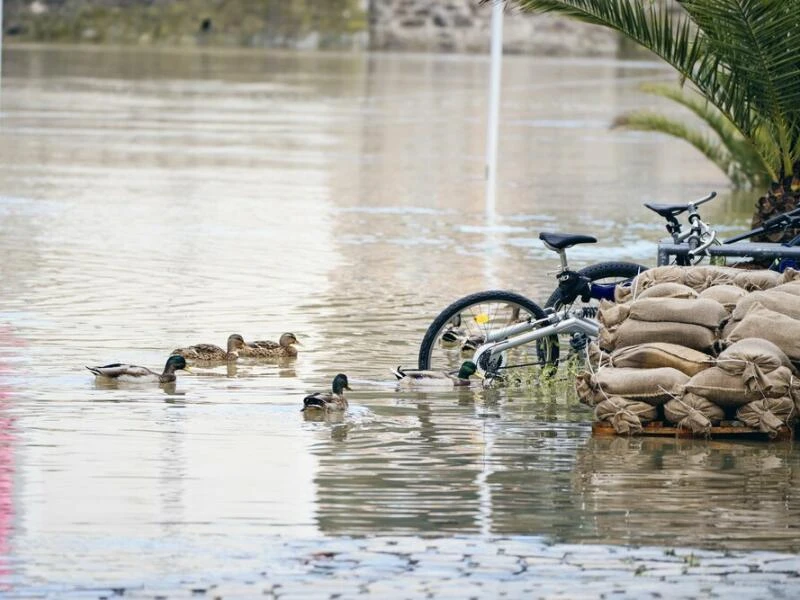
x=722, y=431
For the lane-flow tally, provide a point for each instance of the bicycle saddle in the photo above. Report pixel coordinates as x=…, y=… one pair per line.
x=667, y=210
x=559, y=241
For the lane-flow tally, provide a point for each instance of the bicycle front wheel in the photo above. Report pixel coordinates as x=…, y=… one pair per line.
x=463, y=326
x=604, y=278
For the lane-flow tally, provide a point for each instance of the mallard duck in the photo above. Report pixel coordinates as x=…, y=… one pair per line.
x=269, y=349
x=471, y=344
x=123, y=372
x=329, y=401
x=453, y=333
x=421, y=378
x=212, y=352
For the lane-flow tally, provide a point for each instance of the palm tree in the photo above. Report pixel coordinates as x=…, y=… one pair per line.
x=719, y=141
x=741, y=56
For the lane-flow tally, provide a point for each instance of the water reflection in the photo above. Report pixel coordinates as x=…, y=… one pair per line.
x=151, y=197
x=689, y=493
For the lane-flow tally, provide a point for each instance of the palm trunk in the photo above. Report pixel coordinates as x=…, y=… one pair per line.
x=781, y=197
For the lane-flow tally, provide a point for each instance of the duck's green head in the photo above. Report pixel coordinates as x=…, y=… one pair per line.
x=340, y=384
x=175, y=363
x=468, y=369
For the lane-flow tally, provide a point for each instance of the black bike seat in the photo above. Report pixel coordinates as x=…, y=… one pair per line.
x=668, y=210
x=559, y=241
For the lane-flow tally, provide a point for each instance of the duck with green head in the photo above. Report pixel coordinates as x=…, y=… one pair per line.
x=427, y=378
x=126, y=372
x=283, y=348
x=329, y=401
x=211, y=352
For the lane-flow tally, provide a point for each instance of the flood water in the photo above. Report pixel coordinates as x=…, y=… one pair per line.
x=152, y=199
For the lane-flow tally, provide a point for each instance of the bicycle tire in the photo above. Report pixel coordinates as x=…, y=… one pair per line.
x=435, y=330
x=621, y=271
x=605, y=270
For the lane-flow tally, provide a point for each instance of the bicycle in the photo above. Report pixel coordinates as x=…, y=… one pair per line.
x=700, y=241
x=498, y=328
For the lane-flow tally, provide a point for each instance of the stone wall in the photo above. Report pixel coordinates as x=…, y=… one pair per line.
x=464, y=26
x=324, y=24
x=403, y=25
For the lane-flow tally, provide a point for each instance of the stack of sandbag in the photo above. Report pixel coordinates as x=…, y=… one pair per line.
x=753, y=381
x=702, y=278
x=773, y=315
x=626, y=397
x=691, y=322
x=628, y=386
x=676, y=319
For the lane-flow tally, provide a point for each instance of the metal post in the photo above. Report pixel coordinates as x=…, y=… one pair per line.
x=1, y=44
x=494, y=105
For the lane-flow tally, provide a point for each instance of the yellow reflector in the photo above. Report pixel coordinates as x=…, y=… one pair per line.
x=481, y=319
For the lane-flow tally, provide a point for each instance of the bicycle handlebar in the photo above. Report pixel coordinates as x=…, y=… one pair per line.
x=703, y=200
x=705, y=245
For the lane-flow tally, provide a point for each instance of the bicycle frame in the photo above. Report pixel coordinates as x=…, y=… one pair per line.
x=684, y=251
x=566, y=322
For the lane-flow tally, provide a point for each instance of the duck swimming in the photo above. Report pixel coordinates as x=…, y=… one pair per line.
x=125, y=372
x=212, y=352
x=423, y=378
x=453, y=333
x=329, y=401
x=284, y=347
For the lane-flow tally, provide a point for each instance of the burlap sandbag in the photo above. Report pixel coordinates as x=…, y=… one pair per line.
x=768, y=415
x=657, y=354
x=611, y=314
x=779, y=329
x=786, y=304
x=693, y=412
x=730, y=391
x=649, y=278
x=727, y=295
x=626, y=416
x=793, y=287
x=588, y=393
x=632, y=332
x=596, y=356
x=762, y=279
x=654, y=386
x=701, y=278
x=706, y=312
x=668, y=290
x=752, y=358
x=789, y=275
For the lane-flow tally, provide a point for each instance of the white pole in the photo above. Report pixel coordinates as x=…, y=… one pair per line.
x=1, y=43
x=494, y=105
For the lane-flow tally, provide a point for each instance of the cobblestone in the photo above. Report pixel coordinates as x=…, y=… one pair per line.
x=342, y=568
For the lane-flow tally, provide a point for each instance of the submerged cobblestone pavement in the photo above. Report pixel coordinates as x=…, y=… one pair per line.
x=467, y=568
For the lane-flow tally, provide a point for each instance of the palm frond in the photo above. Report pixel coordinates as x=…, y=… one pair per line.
x=760, y=43
x=674, y=38
x=743, y=56
x=752, y=157
x=712, y=149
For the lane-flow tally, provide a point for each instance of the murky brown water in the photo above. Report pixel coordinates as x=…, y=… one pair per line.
x=154, y=199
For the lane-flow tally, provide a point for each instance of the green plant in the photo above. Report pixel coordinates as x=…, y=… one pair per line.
x=719, y=141
x=741, y=56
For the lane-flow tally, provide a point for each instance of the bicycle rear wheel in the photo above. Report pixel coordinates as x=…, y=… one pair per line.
x=462, y=327
x=604, y=278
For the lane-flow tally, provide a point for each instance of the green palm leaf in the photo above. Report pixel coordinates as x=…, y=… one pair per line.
x=735, y=155
x=743, y=56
